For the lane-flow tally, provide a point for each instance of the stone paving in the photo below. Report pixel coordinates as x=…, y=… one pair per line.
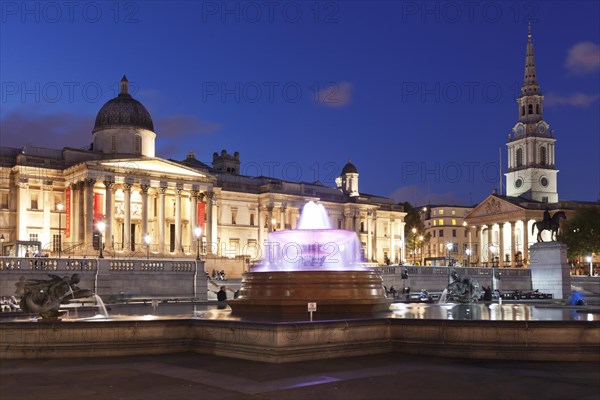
x=383, y=376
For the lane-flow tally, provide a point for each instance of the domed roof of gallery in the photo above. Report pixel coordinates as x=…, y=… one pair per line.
x=123, y=111
x=349, y=168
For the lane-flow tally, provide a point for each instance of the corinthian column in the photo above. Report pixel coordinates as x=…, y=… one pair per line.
x=108, y=210
x=127, y=217
x=89, y=210
x=160, y=219
x=144, y=189
x=177, y=221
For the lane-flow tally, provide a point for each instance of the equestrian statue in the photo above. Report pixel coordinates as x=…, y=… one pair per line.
x=548, y=224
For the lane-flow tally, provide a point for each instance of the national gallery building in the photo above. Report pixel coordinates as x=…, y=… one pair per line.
x=118, y=196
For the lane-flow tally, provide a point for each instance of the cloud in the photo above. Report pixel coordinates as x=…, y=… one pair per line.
x=183, y=125
x=335, y=94
x=55, y=131
x=583, y=58
x=575, y=100
x=417, y=196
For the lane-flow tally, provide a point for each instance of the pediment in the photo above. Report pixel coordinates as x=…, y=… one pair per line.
x=493, y=205
x=151, y=166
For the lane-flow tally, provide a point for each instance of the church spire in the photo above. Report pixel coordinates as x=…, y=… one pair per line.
x=530, y=83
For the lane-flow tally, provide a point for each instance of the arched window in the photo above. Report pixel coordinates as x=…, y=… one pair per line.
x=530, y=109
x=543, y=155
x=137, y=146
x=519, y=157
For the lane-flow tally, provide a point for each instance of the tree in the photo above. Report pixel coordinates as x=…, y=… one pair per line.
x=581, y=233
x=413, y=221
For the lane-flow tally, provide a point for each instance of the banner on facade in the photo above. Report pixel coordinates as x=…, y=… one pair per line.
x=98, y=209
x=201, y=214
x=68, y=212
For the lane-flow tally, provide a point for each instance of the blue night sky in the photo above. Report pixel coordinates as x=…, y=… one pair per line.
x=419, y=95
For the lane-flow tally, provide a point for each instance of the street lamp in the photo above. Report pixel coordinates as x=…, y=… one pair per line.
x=468, y=251
x=198, y=232
x=148, y=240
x=414, y=231
x=493, y=250
x=589, y=259
x=273, y=222
x=449, y=248
x=101, y=225
x=59, y=207
x=421, y=249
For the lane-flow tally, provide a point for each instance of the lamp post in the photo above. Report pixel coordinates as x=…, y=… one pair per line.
x=468, y=251
x=421, y=249
x=414, y=231
x=197, y=232
x=589, y=259
x=449, y=248
x=493, y=249
x=148, y=240
x=59, y=207
x=273, y=222
x=101, y=225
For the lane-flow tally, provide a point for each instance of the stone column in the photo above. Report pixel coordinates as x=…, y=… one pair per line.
x=501, y=243
x=282, y=210
x=525, y=241
x=211, y=223
x=89, y=210
x=194, y=217
x=160, y=219
x=144, y=190
x=22, y=206
x=369, y=238
x=470, y=244
x=261, y=225
x=392, y=244
x=270, y=218
x=402, y=241
x=108, y=213
x=489, y=242
x=178, y=221
x=127, y=217
x=480, y=253
x=513, y=248
x=47, y=206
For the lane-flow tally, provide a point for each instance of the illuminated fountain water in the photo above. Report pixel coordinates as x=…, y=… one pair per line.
x=311, y=264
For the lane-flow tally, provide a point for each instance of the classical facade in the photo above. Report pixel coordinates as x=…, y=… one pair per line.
x=503, y=224
x=53, y=200
x=449, y=240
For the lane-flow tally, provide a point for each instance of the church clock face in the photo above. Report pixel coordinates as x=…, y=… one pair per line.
x=541, y=128
x=518, y=183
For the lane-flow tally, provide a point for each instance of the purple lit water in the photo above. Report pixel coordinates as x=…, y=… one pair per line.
x=313, y=246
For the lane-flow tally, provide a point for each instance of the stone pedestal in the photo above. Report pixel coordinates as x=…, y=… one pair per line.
x=550, y=272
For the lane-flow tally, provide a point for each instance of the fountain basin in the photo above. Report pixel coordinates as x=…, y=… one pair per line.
x=283, y=293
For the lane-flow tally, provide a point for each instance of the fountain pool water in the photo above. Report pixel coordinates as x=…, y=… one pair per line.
x=311, y=264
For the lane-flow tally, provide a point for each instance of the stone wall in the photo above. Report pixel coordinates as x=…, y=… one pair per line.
x=109, y=278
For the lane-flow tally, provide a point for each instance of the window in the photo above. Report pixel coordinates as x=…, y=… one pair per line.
x=434, y=233
x=441, y=222
x=34, y=201
x=519, y=157
x=55, y=242
x=530, y=109
x=252, y=219
x=233, y=216
x=137, y=146
x=441, y=233
x=434, y=222
x=453, y=212
x=4, y=201
x=543, y=155
x=441, y=212
x=33, y=237
x=453, y=232
x=362, y=226
x=453, y=221
x=465, y=233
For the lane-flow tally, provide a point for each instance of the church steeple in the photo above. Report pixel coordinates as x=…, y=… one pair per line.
x=530, y=83
x=531, y=166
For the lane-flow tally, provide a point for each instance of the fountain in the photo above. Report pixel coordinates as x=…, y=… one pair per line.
x=311, y=264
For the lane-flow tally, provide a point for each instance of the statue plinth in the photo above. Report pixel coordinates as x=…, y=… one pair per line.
x=550, y=272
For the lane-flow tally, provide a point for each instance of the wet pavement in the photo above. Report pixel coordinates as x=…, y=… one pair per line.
x=383, y=376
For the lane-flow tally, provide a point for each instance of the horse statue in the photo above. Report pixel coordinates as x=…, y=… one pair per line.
x=548, y=224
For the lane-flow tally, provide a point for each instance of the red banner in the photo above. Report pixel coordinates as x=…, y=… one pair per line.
x=98, y=209
x=68, y=212
x=201, y=215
